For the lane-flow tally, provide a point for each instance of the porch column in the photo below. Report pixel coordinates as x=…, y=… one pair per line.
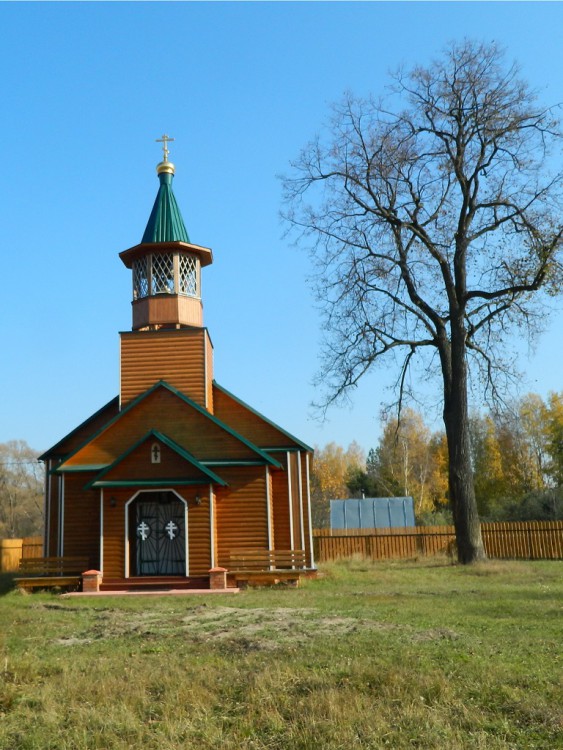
x=217, y=579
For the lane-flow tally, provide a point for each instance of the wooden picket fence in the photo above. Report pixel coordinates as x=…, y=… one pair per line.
x=531, y=540
x=13, y=550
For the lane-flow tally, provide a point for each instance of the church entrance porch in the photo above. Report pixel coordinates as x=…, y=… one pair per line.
x=157, y=535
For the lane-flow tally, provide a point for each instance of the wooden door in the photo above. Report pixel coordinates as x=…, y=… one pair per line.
x=160, y=535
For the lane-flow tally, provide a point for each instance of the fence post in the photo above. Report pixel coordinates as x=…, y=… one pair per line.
x=530, y=544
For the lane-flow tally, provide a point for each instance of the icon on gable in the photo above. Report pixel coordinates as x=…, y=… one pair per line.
x=155, y=453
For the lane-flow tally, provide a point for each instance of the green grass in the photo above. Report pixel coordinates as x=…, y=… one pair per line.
x=405, y=655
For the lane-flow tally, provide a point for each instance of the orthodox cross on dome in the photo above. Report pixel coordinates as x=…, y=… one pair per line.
x=165, y=140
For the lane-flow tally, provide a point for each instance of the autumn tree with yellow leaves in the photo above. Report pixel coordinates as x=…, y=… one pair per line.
x=332, y=468
x=516, y=457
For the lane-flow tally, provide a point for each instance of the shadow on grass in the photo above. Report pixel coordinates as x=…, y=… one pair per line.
x=6, y=583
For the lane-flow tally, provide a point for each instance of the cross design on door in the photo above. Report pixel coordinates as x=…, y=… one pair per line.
x=143, y=531
x=160, y=526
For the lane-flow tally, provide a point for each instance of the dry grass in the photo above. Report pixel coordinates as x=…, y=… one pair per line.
x=404, y=655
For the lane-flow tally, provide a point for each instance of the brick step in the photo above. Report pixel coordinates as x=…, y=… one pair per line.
x=152, y=583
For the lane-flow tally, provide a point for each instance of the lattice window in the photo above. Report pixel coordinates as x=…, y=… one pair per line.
x=188, y=276
x=140, y=278
x=162, y=274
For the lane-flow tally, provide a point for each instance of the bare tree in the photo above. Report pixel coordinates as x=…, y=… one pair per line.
x=436, y=228
x=21, y=490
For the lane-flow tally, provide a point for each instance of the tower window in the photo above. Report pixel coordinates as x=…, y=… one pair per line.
x=162, y=274
x=140, y=278
x=188, y=276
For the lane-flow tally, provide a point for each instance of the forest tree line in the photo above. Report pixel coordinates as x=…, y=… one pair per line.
x=516, y=455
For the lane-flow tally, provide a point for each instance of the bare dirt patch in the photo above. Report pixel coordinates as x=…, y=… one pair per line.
x=244, y=629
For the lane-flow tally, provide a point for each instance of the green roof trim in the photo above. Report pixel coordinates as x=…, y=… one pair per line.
x=162, y=384
x=156, y=435
x=147, y=483
x=269, y=421
x=114, y=402
x=79, y=468
x=233, y=463
x=283, y=449
x=267, y=459
x=165, y=222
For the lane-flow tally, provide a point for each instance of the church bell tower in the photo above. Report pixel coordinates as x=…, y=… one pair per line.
x=166, y=266
x=168, y=340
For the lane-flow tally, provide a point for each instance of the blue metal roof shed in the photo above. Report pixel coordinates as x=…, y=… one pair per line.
x=372, y=513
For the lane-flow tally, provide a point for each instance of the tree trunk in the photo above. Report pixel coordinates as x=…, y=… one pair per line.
x=460, y=472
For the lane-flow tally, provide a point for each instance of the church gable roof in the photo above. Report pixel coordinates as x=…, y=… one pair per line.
x=155, y=459
x=250, y=423
x=169, y=411
x=86, y=429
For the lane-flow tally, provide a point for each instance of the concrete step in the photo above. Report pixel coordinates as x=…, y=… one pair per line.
x=152, y=583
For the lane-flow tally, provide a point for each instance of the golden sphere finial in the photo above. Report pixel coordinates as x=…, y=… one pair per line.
x=165, y=165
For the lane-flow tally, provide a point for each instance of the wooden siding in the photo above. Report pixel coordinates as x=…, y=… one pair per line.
x=280, y=504
x=199, y=530
x=241, y=513
x=167, y=310
x=138, y=465
x=209, y=374
x=113, y=565
x=81, y=519
x=76, y=438
x=253, y=427
x=164, y=411
x=52, y=520
x=176, y=356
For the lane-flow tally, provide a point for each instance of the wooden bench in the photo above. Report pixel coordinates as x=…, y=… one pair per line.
x=262, y=566
x=265, y=559
x=51, y=572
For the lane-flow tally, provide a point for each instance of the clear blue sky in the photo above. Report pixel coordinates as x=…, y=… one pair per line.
x=86, y=89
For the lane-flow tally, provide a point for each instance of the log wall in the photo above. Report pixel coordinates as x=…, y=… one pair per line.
x=280, y=503
x=241, y=511
x=176, y=356
x=180, y=421
x=81, y=519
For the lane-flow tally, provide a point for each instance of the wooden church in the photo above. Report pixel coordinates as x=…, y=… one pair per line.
x=176, y=478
